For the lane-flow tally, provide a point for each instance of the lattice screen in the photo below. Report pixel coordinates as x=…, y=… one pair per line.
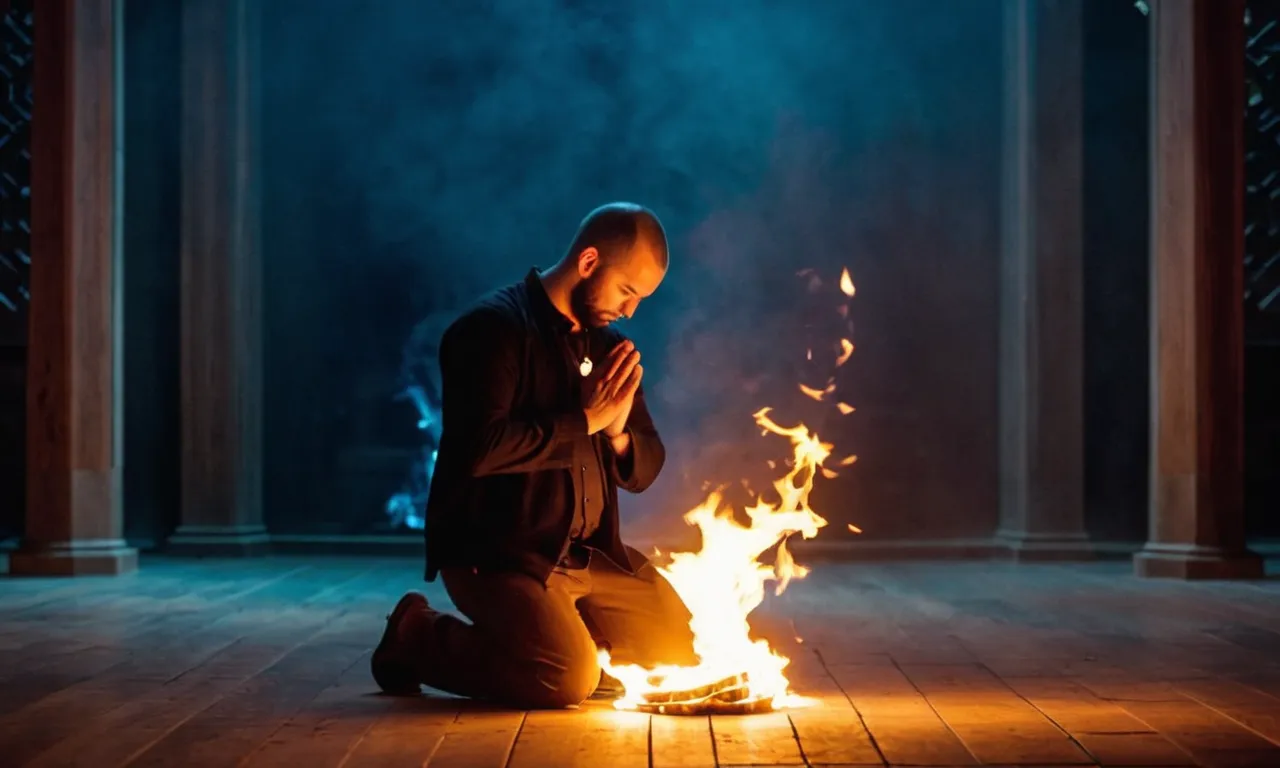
x=17, y=43
x=1262, y=157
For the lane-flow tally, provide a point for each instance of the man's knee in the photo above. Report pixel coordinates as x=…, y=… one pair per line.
x=555, y=680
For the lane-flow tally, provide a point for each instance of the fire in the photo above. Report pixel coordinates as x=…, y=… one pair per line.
x=846, y=349
x=846, y=283
x=724, y=581
x=818, y=394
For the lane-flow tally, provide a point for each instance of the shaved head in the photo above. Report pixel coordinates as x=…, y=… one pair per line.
x=619, y=255
x=619, y=231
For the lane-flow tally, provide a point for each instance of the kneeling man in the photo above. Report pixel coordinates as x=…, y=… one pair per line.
x=544, y=419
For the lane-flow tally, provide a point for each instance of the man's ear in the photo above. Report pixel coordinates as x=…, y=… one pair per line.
x=588, y=261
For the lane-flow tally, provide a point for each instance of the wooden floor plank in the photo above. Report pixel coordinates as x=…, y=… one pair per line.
x=238, y=722
x=682, y=742
x=137, y=661
x=996, y=724
x=324, y=731
x=766, y=739
x=1251, y=708
x=478, y=739
x=175, y=640
x=585, y=738
x=407, y=736
x=905, y=727
x=831, y=731
x=126, y=731
x=1107, y=732
x=1209, y=736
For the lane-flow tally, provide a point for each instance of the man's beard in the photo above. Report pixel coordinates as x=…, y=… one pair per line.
x=583, y=308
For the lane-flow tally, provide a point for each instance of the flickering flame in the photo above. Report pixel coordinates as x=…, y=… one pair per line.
x=846, y=349
x=724, y=581
x=817, y=394
x=846, y=283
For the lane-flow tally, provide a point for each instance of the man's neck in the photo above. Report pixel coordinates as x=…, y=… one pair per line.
x=559, y=286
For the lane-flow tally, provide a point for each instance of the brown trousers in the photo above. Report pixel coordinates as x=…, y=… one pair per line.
x=533, y=646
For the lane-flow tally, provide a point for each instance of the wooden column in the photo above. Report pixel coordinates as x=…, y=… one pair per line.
x=1041, y=289
x=221, y=312
x=73, y=517
x=1197, y=307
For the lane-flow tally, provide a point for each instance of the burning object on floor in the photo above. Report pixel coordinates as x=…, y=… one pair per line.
x=730, y=696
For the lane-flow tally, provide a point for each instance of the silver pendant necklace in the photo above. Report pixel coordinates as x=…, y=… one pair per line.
x=586, y=365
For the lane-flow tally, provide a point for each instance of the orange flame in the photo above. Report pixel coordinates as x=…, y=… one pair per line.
x=724, y=581
x=846, y=283
x=846, y=349
x=818, y=394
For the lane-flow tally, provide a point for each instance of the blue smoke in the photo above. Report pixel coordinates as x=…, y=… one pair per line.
x=407, y=508
x=420, y=373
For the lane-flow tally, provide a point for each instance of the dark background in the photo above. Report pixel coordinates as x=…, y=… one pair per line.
x=417, y=154
x=769, y=137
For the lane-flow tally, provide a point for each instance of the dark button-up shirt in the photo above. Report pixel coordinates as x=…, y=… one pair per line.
x=578, y=347
x=517, y=477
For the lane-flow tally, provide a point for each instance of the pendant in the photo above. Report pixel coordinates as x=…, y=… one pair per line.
x=585, y=367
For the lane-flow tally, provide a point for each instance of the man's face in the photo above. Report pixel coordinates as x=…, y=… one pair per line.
x=609, y=291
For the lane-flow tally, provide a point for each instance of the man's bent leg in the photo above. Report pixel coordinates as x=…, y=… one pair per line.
x=640, y=618
x=526, y=645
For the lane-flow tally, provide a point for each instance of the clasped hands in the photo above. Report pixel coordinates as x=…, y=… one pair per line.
x=608, y=397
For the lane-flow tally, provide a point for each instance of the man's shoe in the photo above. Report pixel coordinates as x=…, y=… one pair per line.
x=609, y=689
x=392, y=663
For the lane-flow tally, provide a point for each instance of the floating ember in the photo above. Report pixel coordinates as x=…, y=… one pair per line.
x=723, y=582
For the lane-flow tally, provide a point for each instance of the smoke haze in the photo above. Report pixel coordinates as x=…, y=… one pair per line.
x=420, y=153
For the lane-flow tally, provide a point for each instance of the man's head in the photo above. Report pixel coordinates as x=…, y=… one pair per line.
x=620, y=257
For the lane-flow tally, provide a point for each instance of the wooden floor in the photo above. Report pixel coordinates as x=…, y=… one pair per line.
x=265, y=663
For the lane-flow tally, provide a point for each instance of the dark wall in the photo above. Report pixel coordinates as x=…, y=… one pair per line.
x=152, y=219
x=418, y=153
x=1116, y=241
x=13, y=439
x=1262, y=428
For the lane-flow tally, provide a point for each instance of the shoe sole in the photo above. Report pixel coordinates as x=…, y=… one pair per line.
x=391, y=674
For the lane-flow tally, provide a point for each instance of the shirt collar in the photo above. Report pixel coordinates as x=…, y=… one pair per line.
x=543, y=308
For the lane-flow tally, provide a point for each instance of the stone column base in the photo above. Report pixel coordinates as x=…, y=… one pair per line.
x=1045, y=547
x=97, y=557
x=219, y=541
x=1189, y=561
